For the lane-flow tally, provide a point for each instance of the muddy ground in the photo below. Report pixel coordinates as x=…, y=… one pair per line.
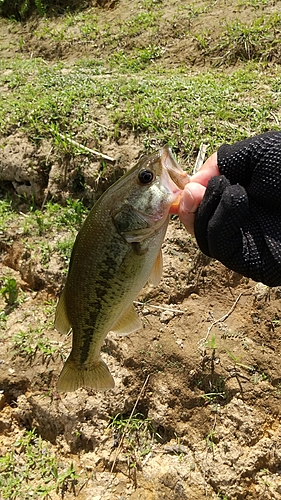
x=204, y=371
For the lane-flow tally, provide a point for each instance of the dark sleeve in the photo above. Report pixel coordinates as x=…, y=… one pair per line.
x=255, y=164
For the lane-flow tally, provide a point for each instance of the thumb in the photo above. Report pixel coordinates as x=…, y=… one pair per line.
x=189, y=203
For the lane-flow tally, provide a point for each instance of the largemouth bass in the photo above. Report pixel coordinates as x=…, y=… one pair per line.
x=115, y=252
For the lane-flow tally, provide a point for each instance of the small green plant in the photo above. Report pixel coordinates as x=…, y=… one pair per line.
x=221, y=496
x=263, y=477
x=236, y=361
x=278, y=389
x=51, y=218
x=136, y=434
x=217, y=393
x=3, y=320
x=142, y=21
x=211, y=343
x=9, y=290
x=32, y=341
x=64, y=247
x=256, y=4
x=35, y=221
x=74, y=213
x=257, y=377
x=203, y=41
x=23, y=343
x=49, y=308
x=138, y=59
x=46, y=251
x=31, y=470
x=213, y=384
x=7, y=213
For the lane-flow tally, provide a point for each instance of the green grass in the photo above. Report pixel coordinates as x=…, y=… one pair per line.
x=140, y=22
x=7, y=213
x=31, y=470
x=256, y=4
x=181, y=109
x=137, y=434
x=127, y=84
x=9, y=290
x=59, y=224
x=27, y=343
x=64, y=247
x=137, y=60
x=49, y=220
x=124, y=85
x=258, y=40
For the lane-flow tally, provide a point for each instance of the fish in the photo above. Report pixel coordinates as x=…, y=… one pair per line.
x=116, y=251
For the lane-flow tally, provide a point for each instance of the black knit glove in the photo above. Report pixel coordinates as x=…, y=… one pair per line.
x=239, y=219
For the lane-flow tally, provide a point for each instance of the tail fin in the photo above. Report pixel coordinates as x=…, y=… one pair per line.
x=97, y=376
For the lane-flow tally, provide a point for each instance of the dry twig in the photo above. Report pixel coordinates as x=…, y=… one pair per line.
x=200, y=157
x=128, y=423
x=220, y=320
x=178, y=311
x=92, y=151
x=209, y=441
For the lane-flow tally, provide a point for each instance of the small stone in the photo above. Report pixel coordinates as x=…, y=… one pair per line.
x=166, y=316
x=194, y=296
x=179, y=342
x=261, y=291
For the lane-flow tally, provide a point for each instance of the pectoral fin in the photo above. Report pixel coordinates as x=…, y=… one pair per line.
x=128, y=323
x=157, y=270
x=62, y=323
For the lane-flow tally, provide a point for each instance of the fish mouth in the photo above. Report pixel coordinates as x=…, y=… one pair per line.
x=177, y=175
x=173, y=177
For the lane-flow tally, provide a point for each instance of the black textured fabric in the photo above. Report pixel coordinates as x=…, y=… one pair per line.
x=239, y=219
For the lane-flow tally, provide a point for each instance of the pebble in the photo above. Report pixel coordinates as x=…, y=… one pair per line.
x=166, y=316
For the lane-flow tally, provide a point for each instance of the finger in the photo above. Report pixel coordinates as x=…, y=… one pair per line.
x=189, y=203
x=207, y=171
x=188, y=222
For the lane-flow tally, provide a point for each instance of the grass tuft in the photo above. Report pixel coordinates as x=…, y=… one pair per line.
x=258, y=40
x=31, y=470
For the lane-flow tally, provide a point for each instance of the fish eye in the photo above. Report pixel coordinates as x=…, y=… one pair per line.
x=146, y=176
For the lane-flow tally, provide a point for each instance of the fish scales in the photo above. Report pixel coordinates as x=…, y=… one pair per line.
x=115, y=253
x=98, y=297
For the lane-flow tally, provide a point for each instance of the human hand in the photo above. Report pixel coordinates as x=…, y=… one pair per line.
x=238, y=221
x=194, y=191
x=236, y=217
